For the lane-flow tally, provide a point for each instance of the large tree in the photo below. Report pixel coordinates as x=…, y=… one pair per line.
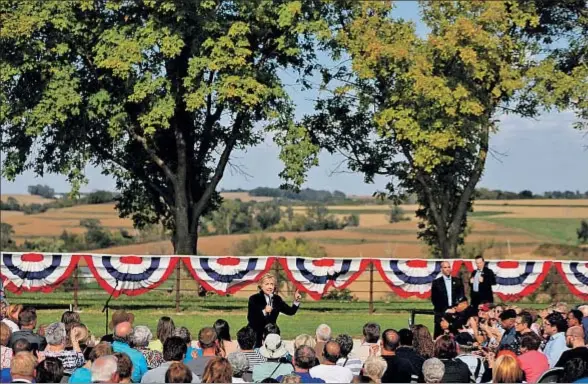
x=156, y=92
x=421, y=110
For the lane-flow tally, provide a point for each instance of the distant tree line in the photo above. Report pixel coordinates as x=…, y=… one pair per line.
x=304, y=194
x=236, y=216
x=497, y=194
x=96, y=197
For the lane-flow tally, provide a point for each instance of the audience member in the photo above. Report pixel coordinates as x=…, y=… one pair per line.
x=555, y=326
x=10, y=317
x=191, y=352
x=122, y=336
x=70, y=317
x=371, y=337
x=217, y=370
x=5, y=351
x=274, y=350
x=523, y=323
x=328, y=370
x=291, y=379
x=124, y=367
x=270, y=328
x=27, y=319
x=174, y=351
x=406, y=351
x=105, y=369
x=223, y=333
x=575, y=371
x=240, y=365
x=584, y=310
x=56, y=341
x=456, y=371
x=574, y=318
x=323, y=335
x=574, y=341
x=422, y=341
x=433, y=370
x=84, y=374
x=304, y=339
x=509, y=338
x=23, y=367
x=140, y=339
x=465, y=342
x=120, y=316
x=179, y=372
x=246, y=340
x=208, y=343
x=531, y=361
x=374, y=368
x=398, y=370
x=346, y=360
x=50, y=370
x=506, y=370
x=165, y=329
x=303, y=360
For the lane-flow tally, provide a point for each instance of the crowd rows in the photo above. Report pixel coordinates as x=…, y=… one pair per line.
x=489, y=344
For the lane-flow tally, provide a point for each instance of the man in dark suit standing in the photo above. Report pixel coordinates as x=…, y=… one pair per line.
x=265, y=306
x=445, y=292
x=481, y=282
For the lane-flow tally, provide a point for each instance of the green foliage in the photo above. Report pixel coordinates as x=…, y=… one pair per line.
x=306, y=194
x=42, y=190
x=11, y=204
x=154, y=89
x=351, y=221
x=583, y=232
x=340, y=295
x=420, y=110
x=263, y=246
x=554, y=230
x=397, y=214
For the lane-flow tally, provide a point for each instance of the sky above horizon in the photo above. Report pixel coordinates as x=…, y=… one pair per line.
x=542, y=154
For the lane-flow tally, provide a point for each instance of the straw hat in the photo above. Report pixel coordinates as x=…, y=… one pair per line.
x=273, y=348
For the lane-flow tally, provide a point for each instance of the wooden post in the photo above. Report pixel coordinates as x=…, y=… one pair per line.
x=371, y=288
x=178, y=270
x=75, y=287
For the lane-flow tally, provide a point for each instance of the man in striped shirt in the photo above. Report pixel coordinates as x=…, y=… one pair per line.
x=346, y=359
x=246, y=338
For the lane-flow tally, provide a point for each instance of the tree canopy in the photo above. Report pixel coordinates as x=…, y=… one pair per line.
x=157, y=93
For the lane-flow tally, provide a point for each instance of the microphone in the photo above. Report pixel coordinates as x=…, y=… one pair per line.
x=271, y=299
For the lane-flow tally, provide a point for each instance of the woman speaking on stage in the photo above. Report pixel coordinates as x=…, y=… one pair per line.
x=265, y=306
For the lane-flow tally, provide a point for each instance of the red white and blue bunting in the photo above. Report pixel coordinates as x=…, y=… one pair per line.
x=134, y=275
x=575, y=275
x=130, y=275
x=32, y=272
x=316, y=276
x=227, y=274
x=515, y=279
x=412, y=277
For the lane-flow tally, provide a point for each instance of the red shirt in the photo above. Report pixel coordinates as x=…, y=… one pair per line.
x=533, y=363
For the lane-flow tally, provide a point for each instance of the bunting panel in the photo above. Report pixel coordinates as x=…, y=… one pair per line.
x=130, y=275
x=226, y=275
x=575, y=275
x=316, y=276
x=412, y=277
x=35, y=272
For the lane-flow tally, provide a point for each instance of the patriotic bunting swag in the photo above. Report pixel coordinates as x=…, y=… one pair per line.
x=575, y=274
x=227, y=274
x=21, y=272
x=130, y=275
x=412, y=277
x=315, y=276
x=515, y=279
x=134, y=275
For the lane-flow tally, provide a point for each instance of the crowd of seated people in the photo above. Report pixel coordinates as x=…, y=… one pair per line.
x=488, y=344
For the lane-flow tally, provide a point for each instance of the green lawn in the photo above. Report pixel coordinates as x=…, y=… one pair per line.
x=554, y=230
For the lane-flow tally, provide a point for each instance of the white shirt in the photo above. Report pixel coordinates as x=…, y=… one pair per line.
x=332, y=373
x=11, y=324
x=447, y=281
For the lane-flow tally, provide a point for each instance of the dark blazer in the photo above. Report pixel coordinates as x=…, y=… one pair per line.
x=439, y=293
x=255, y=313
x=485, y=289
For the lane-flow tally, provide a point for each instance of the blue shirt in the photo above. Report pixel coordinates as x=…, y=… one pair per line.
x=447, y=281
x=139, y=361
x=304, y=378
x=81, y=375
x=556, y=345
x=189, y=354
x=585, y=325
x=5, y=376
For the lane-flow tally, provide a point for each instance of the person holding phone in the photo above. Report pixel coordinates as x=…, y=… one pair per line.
x=265, y=306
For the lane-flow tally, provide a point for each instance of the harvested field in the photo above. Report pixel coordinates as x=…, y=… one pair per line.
x=6, y=214
x=537, y=202
x=244, y=196
x=27, y=199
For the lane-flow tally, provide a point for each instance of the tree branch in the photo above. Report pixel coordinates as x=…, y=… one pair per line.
x=156, y=159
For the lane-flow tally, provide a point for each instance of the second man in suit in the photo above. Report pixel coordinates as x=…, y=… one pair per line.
x=445, y=292
x=481, y=281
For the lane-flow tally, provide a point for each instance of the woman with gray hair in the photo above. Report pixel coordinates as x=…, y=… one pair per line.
x=433, y=370
x=56, y=337
x=140, y=339
x=240, y=364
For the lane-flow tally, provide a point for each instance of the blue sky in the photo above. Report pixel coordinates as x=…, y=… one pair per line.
x=540, y=155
